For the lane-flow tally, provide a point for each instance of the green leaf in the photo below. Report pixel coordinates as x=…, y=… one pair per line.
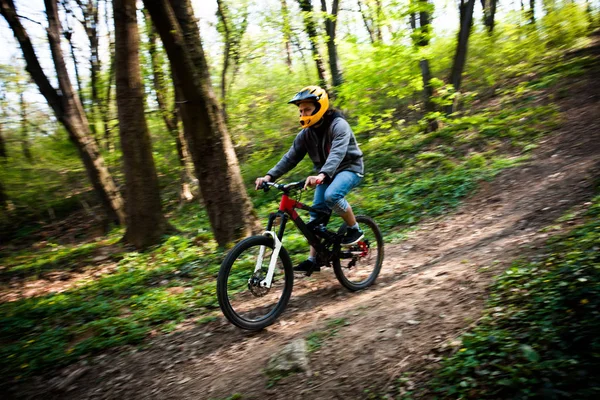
x=530, y=353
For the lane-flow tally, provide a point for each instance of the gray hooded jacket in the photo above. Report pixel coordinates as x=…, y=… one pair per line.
x=331, y=150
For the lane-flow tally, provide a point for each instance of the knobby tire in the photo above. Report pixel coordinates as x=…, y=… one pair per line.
x=222, y=287
x=339, y=269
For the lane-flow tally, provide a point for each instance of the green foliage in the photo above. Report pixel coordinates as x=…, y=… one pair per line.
x=54, y=181
x=421, y=175
x=54, y=256
x=235, y=396
x=153, y=290
x=411, y=175
x=519, y=51
x=565, y=25
x=315, y=340
x=384, y=78
x=539, y=337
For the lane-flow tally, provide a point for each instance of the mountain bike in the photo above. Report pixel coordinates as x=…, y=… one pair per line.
x=256, y=277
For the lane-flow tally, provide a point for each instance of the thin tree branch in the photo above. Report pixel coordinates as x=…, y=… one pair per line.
x=29, y=19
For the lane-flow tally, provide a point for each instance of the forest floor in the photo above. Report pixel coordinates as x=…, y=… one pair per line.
x=432, y=288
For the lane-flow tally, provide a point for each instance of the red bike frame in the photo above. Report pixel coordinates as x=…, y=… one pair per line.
x=287, y=209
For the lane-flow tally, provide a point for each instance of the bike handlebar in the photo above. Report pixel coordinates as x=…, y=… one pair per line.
x=283, y=187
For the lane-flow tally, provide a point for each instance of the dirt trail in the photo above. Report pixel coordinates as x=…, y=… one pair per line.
x=432, y=288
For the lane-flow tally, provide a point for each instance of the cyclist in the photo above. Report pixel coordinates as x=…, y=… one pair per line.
x=330, y=143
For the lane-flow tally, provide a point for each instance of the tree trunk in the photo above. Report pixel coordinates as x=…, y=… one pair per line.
x=590, y=15
x=433, y=124
x=2, y=141
x=296, y=42
x=425, y=31
x=531, y=11
x=421, y=39
x=215, y=161
x=185, y=161
x=24, y=127
x=66, y=105
x=369, y=26
x=3, y=119
x=89, y=9
x=489, y=14
x=221, y=14
x=104, y=103
x=311, y=30
x=3, y=198
x=68, y=35
x=169, y=116
x=460, y=57
x=287, y=31
x=427, y=89
x=330, y=27
x=158, y=79
x=378, y=18
x=232, y=38
x=372, y=19
x=94, y=62
x=145, y=221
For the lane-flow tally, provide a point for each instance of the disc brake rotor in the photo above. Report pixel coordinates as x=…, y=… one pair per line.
x=254, y=285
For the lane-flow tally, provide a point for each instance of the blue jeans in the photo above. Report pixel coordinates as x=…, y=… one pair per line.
x=331, y=196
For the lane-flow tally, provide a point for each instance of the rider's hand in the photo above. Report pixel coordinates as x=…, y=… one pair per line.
x=259, y=181
x=314, y=180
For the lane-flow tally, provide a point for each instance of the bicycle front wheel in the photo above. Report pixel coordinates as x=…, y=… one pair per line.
x=358, y=265
x=242, y=299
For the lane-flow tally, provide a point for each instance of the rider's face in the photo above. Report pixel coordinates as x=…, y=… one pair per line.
x=306, y=108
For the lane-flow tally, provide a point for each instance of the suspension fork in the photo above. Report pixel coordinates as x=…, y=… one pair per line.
x=277, y=240
x=284, y=219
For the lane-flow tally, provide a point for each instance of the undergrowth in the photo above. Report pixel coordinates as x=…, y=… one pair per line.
x=540, y=333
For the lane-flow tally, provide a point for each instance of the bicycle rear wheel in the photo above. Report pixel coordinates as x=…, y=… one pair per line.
x=243, y=301
x=358, y=265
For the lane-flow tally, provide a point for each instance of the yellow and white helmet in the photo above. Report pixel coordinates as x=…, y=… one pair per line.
x=316, y=95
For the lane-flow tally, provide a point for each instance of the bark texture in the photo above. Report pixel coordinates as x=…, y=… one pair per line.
x=89, y=9
x=330, y=28
x=3, y=154
x=372, y=19
x=105, y=109
x=460, y=56
x=421, y=39
x=169, y=113
x=232, y=37
x=531, y=11
x=3, y=198
x=311, y=31
x=69, y=36
x=66, y=105
x=287, y=33
x=145, y=221
x=3, y=119
x=25, y=146
x=489, y=14
x=215, y=161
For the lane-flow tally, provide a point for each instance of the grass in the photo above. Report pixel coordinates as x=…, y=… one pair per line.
x=53, y=256
x=315, y=340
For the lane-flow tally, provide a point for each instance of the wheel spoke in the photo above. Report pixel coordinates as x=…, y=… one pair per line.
x=244, y=300
x=361, y=269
